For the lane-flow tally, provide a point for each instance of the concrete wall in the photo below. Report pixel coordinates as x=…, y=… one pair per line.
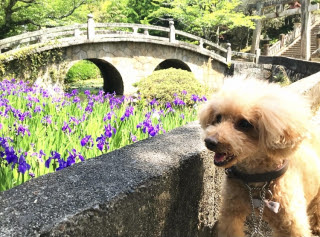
x=164, y=186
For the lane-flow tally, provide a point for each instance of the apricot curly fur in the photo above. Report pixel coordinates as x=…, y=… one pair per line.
x=260, y=125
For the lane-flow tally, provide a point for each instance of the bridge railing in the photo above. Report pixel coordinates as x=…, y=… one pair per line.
x=94, y=31
x=245, y=56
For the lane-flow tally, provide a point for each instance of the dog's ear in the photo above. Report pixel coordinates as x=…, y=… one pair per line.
x=205, y=115
x=280, y=129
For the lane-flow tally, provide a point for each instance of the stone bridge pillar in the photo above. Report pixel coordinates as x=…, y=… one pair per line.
x=90, y=30
x=172, y=34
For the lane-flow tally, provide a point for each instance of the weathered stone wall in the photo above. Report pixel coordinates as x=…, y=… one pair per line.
x=305, y=68
x=270, y=67
x=260, y=71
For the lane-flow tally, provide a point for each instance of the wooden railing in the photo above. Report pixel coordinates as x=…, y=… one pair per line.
x=96, y=31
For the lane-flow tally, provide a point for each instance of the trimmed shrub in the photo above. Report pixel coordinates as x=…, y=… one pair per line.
x=82, y=70
x=280, y=75
x=163, y=84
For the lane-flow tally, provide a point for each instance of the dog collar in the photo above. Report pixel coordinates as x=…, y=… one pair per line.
x=233, y=172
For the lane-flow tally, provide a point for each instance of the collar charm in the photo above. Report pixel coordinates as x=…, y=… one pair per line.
x=261, y=202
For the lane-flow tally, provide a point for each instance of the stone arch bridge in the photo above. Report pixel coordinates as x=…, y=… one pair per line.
x=123, y=52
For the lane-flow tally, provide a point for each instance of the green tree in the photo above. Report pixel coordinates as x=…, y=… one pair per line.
x=109, y=11
x=130, y=11
x=18, y=16
x=139, y=10
x=206, y=18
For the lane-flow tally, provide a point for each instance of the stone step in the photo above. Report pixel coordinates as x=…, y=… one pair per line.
x=294, y=50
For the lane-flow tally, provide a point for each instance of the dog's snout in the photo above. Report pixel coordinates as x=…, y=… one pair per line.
x=211, y=142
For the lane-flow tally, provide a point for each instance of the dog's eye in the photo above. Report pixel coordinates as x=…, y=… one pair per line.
x=243, y=124
x=218, y=118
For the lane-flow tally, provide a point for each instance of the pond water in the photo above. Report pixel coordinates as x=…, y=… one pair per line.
x=94, y=85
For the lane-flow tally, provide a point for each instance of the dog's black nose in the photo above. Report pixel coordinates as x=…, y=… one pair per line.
x=211, y=142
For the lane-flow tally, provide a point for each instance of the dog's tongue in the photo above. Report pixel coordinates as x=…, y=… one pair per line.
x=218, y=157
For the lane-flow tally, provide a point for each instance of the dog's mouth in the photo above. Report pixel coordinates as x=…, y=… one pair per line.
x=221, y=159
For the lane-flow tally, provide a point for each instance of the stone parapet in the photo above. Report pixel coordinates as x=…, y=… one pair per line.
x=297, y=65
x=155, y=187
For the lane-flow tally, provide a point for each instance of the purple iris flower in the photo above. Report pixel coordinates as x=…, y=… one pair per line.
x=65, y=103
x=101, y=142
x=87, y=92
x=20, y=115
x=54, y=155
x=109, y=130
x=46, y=119
x=37, y=109
x=21, y=130
x=76, y=99
x=29, y=105
x=71, y=158
x=127, y=113
x=184, y=92
x=147, y=126
x=11, y=156
x=83, y=118
x=88, y=108
x=74, y=92
x=79, y=106
x=73, y=154
x=154, y=102
x=195, y=98
x=74, y=120
x=178, y=101
x=23, y=166
x=62, y=164
x=87, y=141
x=32, y=99
x=133, y=137
x=66, y=127
x=108, y=116
x=45, y=94
x=41, y=153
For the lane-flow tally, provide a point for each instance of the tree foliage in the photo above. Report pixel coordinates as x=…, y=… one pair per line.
x=18, y=16
x=209, y=19
x=131, y=11
x=206, y=18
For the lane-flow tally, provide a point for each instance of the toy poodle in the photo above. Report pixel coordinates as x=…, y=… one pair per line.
x=262, y=135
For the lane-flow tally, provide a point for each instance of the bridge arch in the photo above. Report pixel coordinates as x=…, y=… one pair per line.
x=174, y=63
x=112, y=79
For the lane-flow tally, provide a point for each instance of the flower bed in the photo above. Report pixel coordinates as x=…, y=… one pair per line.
x=43, y=131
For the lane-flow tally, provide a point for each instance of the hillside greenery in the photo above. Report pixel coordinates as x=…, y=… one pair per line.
x=220, y=21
